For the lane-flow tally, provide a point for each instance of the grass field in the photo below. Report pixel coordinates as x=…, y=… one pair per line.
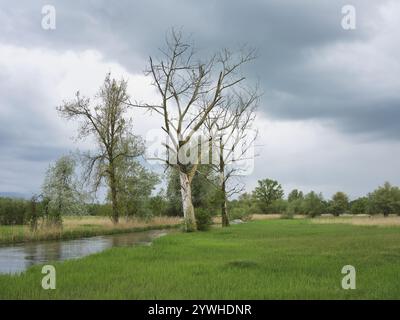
x=84, y=226
x=271, y=259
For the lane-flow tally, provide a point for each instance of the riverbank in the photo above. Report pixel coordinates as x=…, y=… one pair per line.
x=86, y=226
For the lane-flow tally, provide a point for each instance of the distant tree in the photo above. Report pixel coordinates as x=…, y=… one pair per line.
x=339, y=203
x=105, y=121
x=243, y=207
x=246, y=199
x=313, y=204
x=158, y=204
x=61, y=191
x=295, y=207
x=295, y=195
x=359, y=206
x=278, y=206
x=385, y=200
x=267, y=192
x=13, y=211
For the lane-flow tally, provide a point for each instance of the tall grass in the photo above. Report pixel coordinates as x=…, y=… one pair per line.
x=85, y=226
x=377, y=220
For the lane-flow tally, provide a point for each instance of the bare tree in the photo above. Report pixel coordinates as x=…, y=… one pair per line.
x=230, y=131
x=189, y=89
x=105, y=121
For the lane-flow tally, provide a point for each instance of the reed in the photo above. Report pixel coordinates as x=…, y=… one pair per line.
x=85, y=226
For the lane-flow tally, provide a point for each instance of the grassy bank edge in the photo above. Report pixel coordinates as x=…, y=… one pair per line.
x=75, y=234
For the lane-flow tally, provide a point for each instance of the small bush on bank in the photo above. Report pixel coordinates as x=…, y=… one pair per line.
x=203, y=219
x=239, y=213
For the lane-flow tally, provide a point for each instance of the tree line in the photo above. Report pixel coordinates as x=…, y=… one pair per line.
x=63, y=196
x=268, y=197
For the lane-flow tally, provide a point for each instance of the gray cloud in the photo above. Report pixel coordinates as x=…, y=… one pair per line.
x=283, y=31
x=308, y=66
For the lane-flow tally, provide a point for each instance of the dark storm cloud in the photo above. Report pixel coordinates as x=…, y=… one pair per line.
x=128, y=31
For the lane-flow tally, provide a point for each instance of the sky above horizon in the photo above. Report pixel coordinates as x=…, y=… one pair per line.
x=328, y=117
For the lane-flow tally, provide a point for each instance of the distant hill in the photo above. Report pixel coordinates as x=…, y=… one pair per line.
x=13, y=195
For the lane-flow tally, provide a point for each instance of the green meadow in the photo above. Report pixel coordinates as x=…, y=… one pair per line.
x=270, y=259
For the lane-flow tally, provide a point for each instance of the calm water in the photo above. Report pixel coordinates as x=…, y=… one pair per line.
x=17, y=258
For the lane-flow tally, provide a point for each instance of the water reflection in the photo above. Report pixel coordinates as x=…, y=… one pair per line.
x=19, y=257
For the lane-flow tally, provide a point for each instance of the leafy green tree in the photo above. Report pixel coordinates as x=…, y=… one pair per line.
x=242, y=207
x=294, y=207
x=295, y=195
x=158, y=204
x=278, y=206
x=313, y=204
x=247, y=199
x=135, y=185
x=385, y=200
x=359, y=206
x=339, y=203
x=105, y=120
x=61, y=191
x=173, y=194
x=267, y=192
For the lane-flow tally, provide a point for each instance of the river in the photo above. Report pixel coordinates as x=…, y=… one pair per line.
x=19, y=257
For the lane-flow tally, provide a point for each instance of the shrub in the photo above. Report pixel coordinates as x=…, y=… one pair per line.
x=12, y=211
x=295, y=195
x=294, y=207
x=203, y=219
x=359, y=206
x=157, y=205
x=241, y=213
x=278, y=206
x=98, y=209
x=339, y=203
x=313, y=204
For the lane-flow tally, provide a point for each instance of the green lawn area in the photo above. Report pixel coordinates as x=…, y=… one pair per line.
x=274, y=259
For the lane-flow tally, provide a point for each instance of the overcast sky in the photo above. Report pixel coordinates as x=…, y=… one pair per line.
x=328, y=119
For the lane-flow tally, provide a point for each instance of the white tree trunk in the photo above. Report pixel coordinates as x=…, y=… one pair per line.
x=188, y=210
